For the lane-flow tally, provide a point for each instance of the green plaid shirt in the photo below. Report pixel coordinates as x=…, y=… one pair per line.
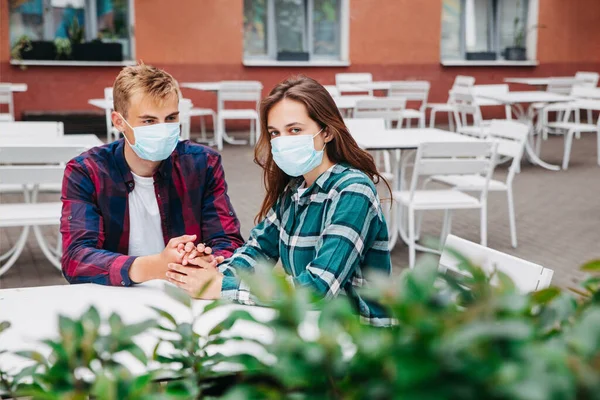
x=327, y=239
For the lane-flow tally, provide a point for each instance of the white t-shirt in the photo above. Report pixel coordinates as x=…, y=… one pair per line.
x=145, y=229
x=302, y=189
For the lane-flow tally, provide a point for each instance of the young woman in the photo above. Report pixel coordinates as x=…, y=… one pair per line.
x=321, y=216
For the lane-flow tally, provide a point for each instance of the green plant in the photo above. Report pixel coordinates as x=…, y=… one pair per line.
x=63, y=48
x=22, y=44
x=454, y=336
x=75, y=32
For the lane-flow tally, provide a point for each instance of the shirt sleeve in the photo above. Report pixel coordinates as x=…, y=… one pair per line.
x=82, y=230
x=220, y=226
x=352, y=222
x=262, y=248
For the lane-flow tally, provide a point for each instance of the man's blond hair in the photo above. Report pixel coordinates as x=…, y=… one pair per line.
x=153, y=82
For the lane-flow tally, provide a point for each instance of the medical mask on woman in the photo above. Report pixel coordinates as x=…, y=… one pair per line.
x=296, y=155
x=154, y=142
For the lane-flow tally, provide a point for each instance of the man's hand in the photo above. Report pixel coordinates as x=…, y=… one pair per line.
x=200, y=283
x=154, y=267
x=200, y=256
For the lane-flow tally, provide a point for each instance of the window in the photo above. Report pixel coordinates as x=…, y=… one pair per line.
x=293, y=30
x=484, y=29
x=106, y=21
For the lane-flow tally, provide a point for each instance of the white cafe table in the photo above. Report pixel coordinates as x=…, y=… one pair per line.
x=33, y=314
x=349, y=102
x=397, y=140
x=85, y=140
x=15, y=87
x=537, y=81
x=101, y=103
x=516, y=100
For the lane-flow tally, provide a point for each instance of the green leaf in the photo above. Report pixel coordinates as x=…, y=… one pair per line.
x=178, y=295
x=140, y=327
x=138, y=353
x=91, y=318
x=591, y=266
x=4, y=325
x=231, y=319
x=545, y=296
x=115, y=323
x=32, y=355
x=165, y=315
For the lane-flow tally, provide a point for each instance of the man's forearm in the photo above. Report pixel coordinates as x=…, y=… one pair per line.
x=147, y=268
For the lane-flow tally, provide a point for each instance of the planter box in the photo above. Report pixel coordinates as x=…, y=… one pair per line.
x=40, y=50
x=98, y=51
x=292, y=56
x=481, y=56
x=515, y=53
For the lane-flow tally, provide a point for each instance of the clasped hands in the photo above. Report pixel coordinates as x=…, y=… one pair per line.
x=198, y=273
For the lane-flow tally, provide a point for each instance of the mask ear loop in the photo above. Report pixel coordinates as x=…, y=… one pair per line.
x=131, y=127
x=317, y=134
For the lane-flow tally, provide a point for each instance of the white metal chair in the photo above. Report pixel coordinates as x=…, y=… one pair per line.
x=480, y=91
x=333, y=90
x=588, y=79
x=238, y=91
x=6, y=98
x=185, y=109
x=452, y=158
x=569, y=129
x=345, y=83
x=511, y=137
x=112, y=133
x=31, y=129
x=390, y=109
x=527, y=276
x=32, y=166
x=467, y=113
x=411, y=91
x=459, y=81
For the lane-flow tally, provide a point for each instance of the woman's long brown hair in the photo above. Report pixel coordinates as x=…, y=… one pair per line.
x=321, y=109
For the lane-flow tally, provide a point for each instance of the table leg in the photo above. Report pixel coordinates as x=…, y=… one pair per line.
x=525, y=117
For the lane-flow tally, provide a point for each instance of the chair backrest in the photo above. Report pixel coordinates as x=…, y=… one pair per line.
x=333, y=90
x=359, y=126
x=185, y=108
x=463, y=80
x=479, y=90
x=411, y=91
x=239, y=91
x=586, y=92
x=6, y=98
x=455, y=158
x=589, y=79
x=389, y=109
x=350, y=78
x=560, y=85
x=527, y=276
x=465, y=107
x=35, y=164
x=108, y=93
x=32, y=128
x=511, y=137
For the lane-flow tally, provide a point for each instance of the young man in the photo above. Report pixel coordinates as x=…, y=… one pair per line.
x=130, y=206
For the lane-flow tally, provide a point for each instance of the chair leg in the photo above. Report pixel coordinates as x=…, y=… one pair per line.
x=484, y=225
x=422, y=121
x=202, y=128
x=589, y=117
x=411, y=237
x=451, y=122
x=598, y=145
x=252, y=137
x=568, y=144
x=432, y=118
x=446, y=228
x=219, y=133
x=511, y=217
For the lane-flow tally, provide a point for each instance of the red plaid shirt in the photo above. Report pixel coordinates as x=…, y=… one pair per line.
x=192, y=198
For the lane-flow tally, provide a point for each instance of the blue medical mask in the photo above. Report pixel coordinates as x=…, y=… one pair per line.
x=154, y=142
x=296, y=155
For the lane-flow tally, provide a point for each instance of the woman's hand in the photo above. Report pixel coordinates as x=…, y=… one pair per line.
x=200, y=256
x=200, y=283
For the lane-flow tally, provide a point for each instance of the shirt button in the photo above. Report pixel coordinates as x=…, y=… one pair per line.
x=130, y=184
x=158, y=195
x=70, y=217
x=123, y=283
x=231, y=213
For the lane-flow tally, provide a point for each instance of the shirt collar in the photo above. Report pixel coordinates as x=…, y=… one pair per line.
x=296, y=183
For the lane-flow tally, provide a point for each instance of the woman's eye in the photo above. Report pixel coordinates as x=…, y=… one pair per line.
x=274, y=133
x=295, y=130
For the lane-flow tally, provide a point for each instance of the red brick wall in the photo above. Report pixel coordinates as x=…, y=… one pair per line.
x=202, y=40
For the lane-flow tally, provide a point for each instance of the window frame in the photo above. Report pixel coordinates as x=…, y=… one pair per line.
x=91, y=33
x=530, y=18
x=270, y=58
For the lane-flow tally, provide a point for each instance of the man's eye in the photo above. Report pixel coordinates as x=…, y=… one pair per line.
x=148, y=121
x=171, y=118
